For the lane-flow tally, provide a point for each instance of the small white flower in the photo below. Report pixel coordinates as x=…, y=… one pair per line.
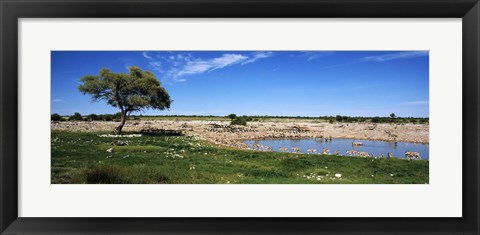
x=391, y=174
x=326, y=167
x=338, y=175
x=372, y=175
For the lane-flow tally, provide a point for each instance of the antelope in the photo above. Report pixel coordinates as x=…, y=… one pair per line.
x=295, y=150
x=325, y=151
x=412, y=155
x=389, y=155
x=284, y=149
x=363, y=154
x=311, y=150
x=351, y=152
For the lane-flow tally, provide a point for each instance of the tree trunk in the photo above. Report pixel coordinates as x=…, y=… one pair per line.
x=123, y=118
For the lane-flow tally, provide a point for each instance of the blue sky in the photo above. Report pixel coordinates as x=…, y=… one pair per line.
x=286, y=83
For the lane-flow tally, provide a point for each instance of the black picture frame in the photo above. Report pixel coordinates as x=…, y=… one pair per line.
x=12, y=10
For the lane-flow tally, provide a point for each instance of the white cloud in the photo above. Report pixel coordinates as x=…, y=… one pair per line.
x=176, y=65
x=257, y=56
x=313, y=55
x=156, y=65
x=145, y=54
x=317, y=55
x=397, y=55
x=413, y=103
x=199, y=66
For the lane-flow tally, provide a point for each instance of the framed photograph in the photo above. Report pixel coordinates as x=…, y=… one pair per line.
x=239, y=117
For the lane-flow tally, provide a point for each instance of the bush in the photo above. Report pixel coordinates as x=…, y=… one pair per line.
x=56, y=117
x=92, y=117
x=76, y=117
x=117, y=116
x=106, y=117
x=239, y=121
x=247, y=118
x=232, y=116
x=338, y=118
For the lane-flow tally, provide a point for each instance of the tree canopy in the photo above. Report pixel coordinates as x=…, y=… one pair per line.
x=134, y=91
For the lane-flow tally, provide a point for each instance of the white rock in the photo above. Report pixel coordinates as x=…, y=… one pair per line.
x=338, y=175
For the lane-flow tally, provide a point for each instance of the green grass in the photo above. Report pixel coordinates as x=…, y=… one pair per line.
x=82, y=158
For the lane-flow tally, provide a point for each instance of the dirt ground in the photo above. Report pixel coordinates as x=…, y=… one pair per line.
x=221, y=133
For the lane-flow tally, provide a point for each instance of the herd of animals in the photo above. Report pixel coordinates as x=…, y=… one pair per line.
x=410, y=155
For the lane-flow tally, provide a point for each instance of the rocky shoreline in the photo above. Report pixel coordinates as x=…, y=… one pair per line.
x=221, y=133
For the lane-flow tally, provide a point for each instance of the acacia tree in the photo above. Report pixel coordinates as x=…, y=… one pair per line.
x=134, y=91
x=232, y=116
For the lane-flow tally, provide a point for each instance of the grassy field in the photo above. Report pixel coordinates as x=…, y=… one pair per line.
x=82, y=158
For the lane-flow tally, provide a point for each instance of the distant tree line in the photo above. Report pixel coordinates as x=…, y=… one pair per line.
x=242, y=120
x=91, y=117
x=392, y=118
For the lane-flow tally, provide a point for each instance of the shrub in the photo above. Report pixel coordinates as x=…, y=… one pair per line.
x=56, y=117
x=232, y=116
x=106, y=117
x=117, y=116
x=76, y=117
x=338, y=118
x=239, y=121
x=92, y=117
x=247, y=118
